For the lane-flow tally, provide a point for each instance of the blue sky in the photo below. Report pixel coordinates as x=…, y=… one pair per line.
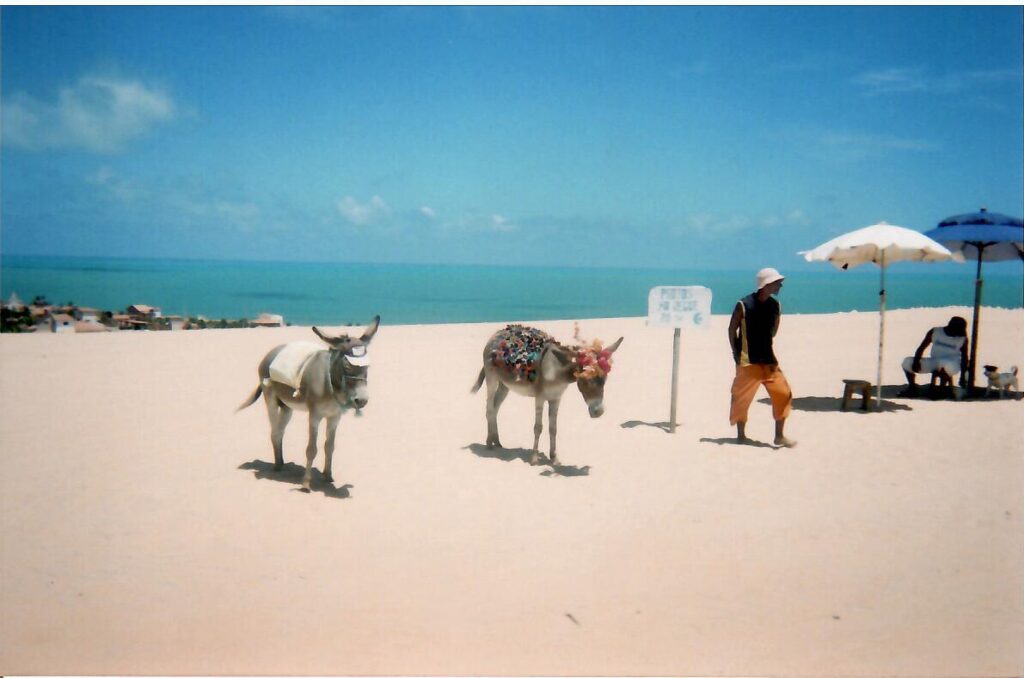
x=710, y=137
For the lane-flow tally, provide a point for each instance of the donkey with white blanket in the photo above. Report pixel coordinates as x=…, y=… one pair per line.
x=531, y=363
x=327, y=382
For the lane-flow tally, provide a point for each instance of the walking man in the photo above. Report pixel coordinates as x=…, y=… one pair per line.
x=752, y=328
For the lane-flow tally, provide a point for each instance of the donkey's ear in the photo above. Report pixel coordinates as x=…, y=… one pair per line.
x=333, y=341
x=611, y=349
x=371, y=329
x=562, y=354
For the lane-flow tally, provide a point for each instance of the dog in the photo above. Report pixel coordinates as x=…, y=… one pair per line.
x=1002, y=381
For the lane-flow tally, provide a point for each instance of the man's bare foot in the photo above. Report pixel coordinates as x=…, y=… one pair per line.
x=784, y=442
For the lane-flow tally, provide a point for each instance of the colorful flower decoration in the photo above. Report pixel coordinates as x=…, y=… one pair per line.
x=519, y=351
x=592, y=359
x=520, y=348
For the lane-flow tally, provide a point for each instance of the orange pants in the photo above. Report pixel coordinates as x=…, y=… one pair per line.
x=744, y=387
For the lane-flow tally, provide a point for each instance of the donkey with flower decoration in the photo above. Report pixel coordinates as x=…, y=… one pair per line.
x=327, y=382
x=530, y=362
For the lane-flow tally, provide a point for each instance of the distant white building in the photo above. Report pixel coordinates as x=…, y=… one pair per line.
x=127, y=322
x=60, y=322
x=144, y=311
x=14, y=303
x=268, y=320
x=176, y=322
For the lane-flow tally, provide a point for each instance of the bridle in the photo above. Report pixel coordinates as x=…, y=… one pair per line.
x=343, y=379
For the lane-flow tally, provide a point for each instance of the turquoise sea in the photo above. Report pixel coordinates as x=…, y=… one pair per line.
x=340, y=293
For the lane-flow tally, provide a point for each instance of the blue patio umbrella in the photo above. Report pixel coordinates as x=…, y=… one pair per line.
x=984, y=236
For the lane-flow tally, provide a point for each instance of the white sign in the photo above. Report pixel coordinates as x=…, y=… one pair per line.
x=679, y=307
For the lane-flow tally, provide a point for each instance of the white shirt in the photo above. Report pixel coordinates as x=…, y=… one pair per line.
x=945, y=346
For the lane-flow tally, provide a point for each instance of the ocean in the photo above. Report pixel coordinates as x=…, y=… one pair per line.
x=352, y=293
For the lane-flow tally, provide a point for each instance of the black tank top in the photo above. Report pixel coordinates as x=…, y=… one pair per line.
x=759, y=318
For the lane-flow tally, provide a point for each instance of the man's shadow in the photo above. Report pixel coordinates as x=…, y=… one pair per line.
x=523, y=455
x=663, y=425
x=292, y=473
x=750, y=442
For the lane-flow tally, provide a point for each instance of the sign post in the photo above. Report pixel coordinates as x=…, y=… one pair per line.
x=675, y=379
x=678, y=307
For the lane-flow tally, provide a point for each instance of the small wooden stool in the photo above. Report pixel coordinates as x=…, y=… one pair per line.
x=856, y=386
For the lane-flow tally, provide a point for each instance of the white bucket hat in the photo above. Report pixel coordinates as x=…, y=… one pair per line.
x=766, y=276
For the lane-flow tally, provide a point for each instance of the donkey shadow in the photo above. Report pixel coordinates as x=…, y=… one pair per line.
x=523, y=455
x=292, y=473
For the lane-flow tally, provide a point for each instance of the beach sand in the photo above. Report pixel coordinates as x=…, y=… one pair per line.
x=143, y=530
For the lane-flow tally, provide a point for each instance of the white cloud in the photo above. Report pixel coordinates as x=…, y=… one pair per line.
x=707, y=224
x=868, y=143
x=476, y=223
x=704, y=223
x=428, y=212
x=891, y=80
x=911, y=80
x=237, y=211
x=98, y=113
x=501, y=224
x=365, y=213
x=796, y=216
x=180, y=201
x=113, y=185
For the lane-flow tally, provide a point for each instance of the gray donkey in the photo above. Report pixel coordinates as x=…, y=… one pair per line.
x=531, y=363
x=332, y=381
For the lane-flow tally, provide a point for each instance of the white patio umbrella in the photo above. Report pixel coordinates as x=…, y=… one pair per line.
x=881, y=244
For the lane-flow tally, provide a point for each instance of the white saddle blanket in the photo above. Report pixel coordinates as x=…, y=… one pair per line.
x=288, y=365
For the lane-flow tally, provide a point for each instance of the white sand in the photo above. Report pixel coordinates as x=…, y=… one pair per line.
x=142, y=531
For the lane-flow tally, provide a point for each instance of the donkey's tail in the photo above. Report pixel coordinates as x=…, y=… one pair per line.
x=479, y=382
x=253, y=398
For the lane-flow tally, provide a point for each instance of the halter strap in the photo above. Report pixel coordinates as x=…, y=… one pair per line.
x=344, y=378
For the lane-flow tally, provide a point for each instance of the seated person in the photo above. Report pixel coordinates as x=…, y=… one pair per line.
x=948, y=356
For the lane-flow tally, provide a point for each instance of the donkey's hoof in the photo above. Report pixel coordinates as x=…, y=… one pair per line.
x=328, y=478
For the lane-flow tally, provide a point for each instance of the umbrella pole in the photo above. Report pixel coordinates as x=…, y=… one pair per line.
x=974, y=322
x=881, y=335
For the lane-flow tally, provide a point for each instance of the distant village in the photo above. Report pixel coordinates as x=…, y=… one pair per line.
x=41, y=316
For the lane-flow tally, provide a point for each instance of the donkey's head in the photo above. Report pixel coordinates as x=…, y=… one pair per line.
x=593, y=363
x=350, y=364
